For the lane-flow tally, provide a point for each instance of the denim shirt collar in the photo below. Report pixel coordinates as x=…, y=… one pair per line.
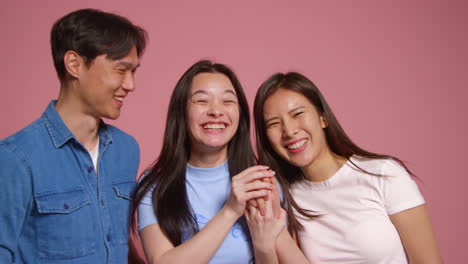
x=59, y=132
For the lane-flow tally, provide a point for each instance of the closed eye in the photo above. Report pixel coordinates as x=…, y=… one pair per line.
x=272, y=124
x=298, y=114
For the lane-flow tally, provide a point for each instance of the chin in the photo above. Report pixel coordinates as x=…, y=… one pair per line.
x=219, y=145
x=215, y=146
x=112, y=116
x=300, y=162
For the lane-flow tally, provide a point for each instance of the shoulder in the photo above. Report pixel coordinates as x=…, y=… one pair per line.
x=17, y=153
x=7, y=153
x=384, y=167
x=25, y=135
x=22, y=142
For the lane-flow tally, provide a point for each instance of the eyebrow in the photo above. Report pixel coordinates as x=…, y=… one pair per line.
x=127, y=64
x=204, y=92
x=230, y=91
x=289, y=112
x=295, y=109
x=198, y=92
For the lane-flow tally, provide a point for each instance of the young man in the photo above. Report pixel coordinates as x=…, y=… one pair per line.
x=66, y=180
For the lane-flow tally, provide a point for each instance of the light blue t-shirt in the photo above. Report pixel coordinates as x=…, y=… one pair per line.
x=208, y=190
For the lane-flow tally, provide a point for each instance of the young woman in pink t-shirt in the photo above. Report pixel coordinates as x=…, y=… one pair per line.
x=346, y=204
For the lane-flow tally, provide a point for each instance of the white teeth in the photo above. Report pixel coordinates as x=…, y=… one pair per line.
x=214, y=126
x=119, y=98
x=297, y=144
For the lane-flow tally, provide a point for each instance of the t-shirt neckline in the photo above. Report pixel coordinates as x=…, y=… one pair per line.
x=328, y=183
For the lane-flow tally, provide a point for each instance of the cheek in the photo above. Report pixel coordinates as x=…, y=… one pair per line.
x=234, y=115
x=117, y=80
x=192, y=117
x=312, y=125
x=323, y=138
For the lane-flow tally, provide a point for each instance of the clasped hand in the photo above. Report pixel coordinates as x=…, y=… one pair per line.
x=255, y=194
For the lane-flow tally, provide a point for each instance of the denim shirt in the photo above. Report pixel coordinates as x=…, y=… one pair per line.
x=54, y=208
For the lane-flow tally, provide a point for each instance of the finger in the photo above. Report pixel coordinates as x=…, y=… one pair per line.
x=256, y=175
x=252, y=211
x=270, y=180
x=275, y=196
x=256, y=194
x=257, y=185
x=238, y=186
x=250, y=170
x=247, y=214
x=261, y=205
x=253, y=203
x=268, y=207
x=274, y=182
x=259, y=180
x=261, y=201
x=282, y=215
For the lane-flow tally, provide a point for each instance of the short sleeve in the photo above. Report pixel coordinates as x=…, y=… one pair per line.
x=146, y=214
x=400, y=190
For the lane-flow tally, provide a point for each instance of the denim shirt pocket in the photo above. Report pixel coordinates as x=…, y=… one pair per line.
x=64, y=230
x=124, y=190
x=122, y=202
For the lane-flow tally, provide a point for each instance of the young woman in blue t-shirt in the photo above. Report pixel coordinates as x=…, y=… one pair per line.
x=191, y=202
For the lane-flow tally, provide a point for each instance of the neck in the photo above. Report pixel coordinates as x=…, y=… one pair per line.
x=83, y=126
x=207, y=159
x=323, y=167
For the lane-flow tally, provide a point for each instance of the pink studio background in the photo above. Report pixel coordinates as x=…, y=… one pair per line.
x=394, y=72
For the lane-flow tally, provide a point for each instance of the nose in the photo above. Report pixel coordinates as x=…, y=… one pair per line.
x=129, y=82
x=289, y=128
x=215, y=109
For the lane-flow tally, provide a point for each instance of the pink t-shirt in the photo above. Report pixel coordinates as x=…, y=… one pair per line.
x=354, y=226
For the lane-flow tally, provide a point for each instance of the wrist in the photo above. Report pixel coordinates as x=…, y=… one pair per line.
x=229, y=213
x=264, y=247
x=283, y=238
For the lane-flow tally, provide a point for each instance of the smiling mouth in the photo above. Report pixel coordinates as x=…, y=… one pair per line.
x=119, y=98
x=214, y=127
x=297, y=145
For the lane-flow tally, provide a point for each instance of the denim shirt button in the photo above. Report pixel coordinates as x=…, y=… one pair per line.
x=108, y=237
x=90, y=169
x=65, y=206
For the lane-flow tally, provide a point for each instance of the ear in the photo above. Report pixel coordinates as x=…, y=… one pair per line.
x=323, y=121
x=73, y=61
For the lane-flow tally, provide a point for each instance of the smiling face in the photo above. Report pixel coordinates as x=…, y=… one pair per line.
x=105, y=83
x=295, y=129
x=212, y=112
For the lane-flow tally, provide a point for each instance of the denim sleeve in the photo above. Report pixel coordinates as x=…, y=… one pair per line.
x=15, y=201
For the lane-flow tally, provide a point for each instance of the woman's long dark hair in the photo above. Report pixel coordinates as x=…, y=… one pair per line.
x=336, y=137
x=167, y=173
